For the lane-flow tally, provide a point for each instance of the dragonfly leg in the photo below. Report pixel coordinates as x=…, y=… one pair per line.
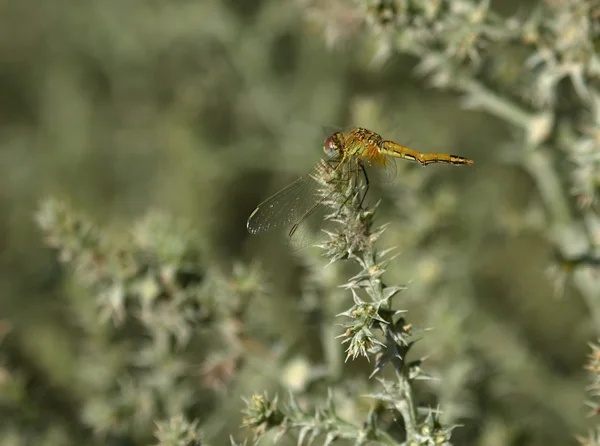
x=364, y=172
x=342, y=161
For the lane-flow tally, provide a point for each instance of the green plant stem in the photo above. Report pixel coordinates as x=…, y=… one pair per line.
x=406, y=407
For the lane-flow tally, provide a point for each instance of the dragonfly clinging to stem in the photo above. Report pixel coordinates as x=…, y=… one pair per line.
x=351, y=151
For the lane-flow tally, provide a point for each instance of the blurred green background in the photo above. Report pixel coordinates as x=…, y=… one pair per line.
x=202, y=109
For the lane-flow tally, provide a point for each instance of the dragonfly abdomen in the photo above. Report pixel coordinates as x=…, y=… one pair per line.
x=399, y=151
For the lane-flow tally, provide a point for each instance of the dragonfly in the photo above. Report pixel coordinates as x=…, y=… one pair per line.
x=348, y=153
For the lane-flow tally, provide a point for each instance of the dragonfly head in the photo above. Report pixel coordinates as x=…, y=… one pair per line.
x=334, y=145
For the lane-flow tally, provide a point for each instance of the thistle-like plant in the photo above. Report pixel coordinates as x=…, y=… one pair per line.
x=373, y=328
x=593, y=366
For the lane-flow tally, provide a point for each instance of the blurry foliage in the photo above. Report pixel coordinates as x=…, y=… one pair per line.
x=178, y=432
x=119, y=325
x=166, y=308
x=593, y=366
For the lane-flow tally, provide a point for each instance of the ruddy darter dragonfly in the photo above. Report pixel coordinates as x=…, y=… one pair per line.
x=293, y=205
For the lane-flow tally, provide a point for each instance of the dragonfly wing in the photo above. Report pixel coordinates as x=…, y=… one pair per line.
x=384, y=172
x=316, y=221
x=309, y=230
x=298, y=208
x=284, y=208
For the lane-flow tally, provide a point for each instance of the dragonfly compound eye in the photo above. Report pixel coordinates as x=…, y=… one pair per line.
x=331, y=148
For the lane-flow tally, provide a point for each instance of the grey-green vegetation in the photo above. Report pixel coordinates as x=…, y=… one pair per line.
x=136, y=138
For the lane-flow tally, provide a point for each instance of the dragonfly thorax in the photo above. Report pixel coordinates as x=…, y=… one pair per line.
x=334, y=145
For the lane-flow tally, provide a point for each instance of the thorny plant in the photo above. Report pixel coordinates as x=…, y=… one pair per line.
x=178, y=431
x=373, y=329
x=593, y=366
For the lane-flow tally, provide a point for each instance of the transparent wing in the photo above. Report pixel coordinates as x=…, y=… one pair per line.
x=309, y=230
x=285, y=207
x=297, y=208
x=313, y=224
x=383, y=173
